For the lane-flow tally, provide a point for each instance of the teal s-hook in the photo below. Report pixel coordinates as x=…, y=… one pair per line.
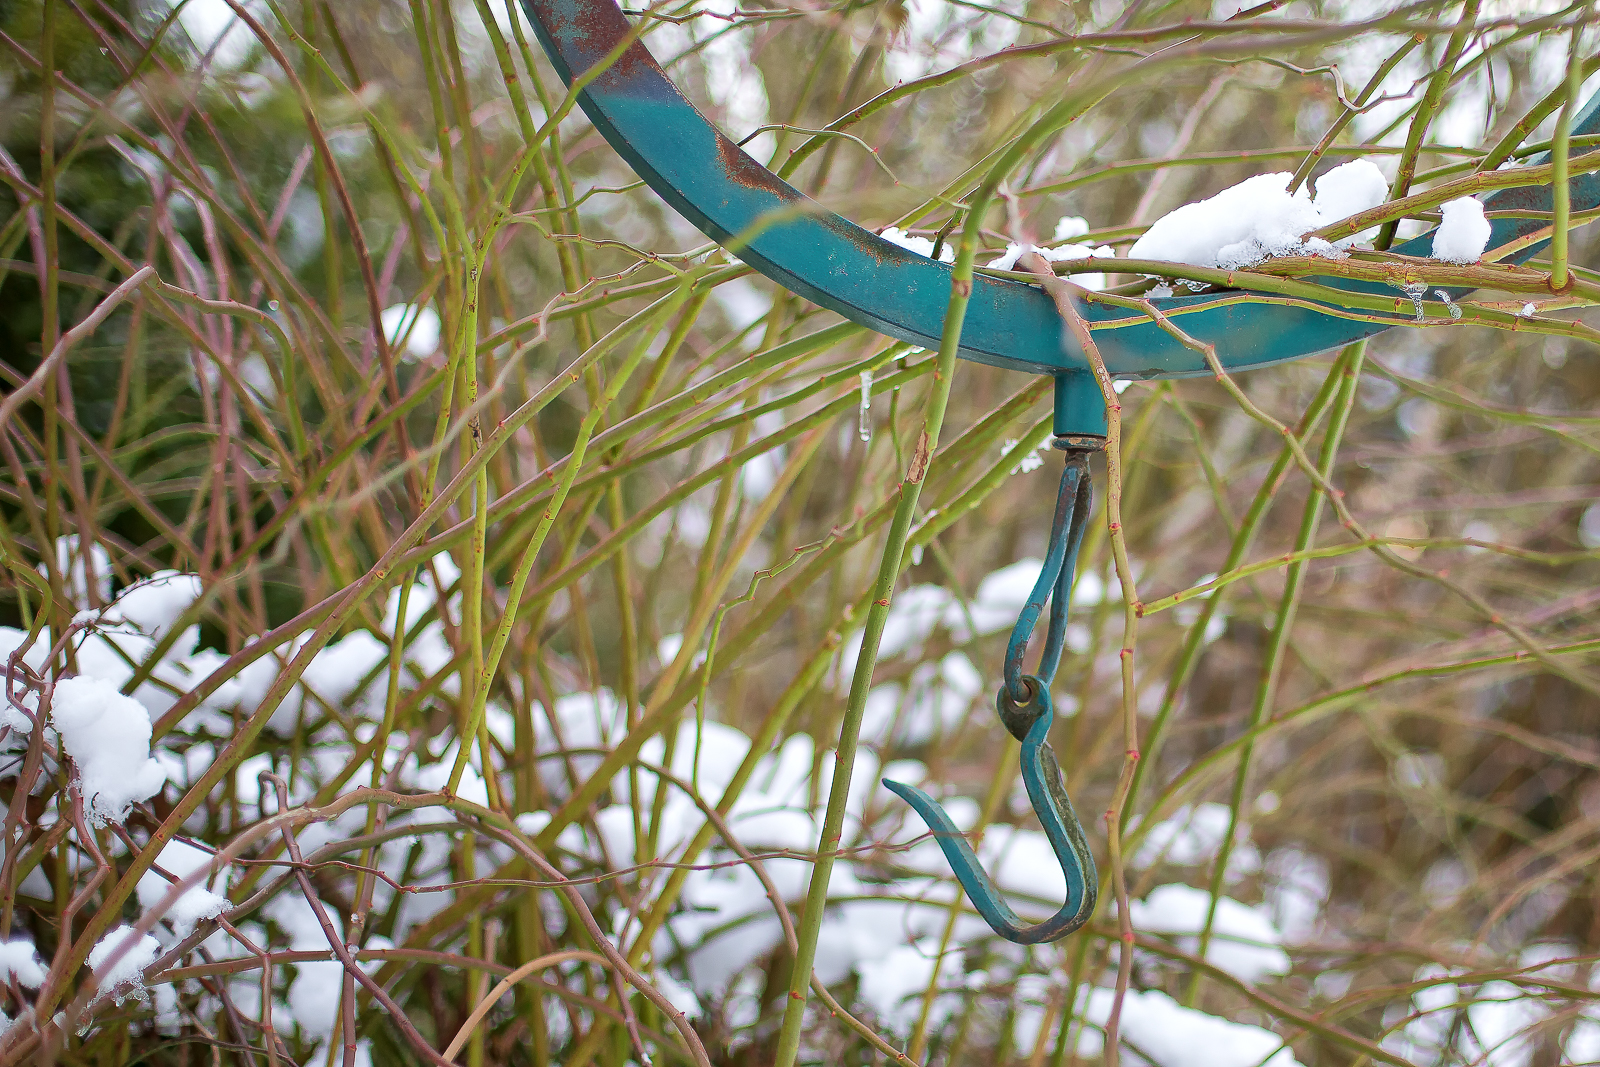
x=1026, y=710
x=1030, y=722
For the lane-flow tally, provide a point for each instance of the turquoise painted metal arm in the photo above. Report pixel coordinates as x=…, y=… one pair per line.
x=830, y=260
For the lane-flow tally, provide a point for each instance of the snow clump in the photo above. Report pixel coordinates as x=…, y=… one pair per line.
x=154, y=605
x=313, y=996
x=20, y=963
x=1068, y=228
x=922, y=246
x=1350, y=189
x=1464, y=233
x=1259, y=218
x=123, y=975
x=108, y=737
x=182, y=861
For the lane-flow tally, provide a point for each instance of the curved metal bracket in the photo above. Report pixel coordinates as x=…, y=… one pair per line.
x=825, y=258
x=1029, y=723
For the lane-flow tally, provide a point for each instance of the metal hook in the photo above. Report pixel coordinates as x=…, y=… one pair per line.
x=1025, y=707
x=1042, y=774
x=1074, y=502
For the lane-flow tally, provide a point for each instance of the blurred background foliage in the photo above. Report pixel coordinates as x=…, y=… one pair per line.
x=1445, y=815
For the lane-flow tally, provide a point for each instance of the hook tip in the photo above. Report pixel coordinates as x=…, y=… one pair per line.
x=899, y=789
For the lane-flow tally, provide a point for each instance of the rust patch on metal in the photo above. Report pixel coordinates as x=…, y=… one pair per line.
x=596, y=29
x=740, y=168
x=588, y=36
x=869, y=243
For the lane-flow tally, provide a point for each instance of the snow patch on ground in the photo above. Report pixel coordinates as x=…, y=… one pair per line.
x=1244, y=942
x=1193, y=835
x=1174, y=1036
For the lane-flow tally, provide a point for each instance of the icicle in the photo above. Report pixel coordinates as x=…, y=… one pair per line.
x=1455, y=308
x=865, y=428
x=1416, y=291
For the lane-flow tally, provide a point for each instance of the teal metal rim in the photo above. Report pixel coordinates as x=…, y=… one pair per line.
x=825, y=258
